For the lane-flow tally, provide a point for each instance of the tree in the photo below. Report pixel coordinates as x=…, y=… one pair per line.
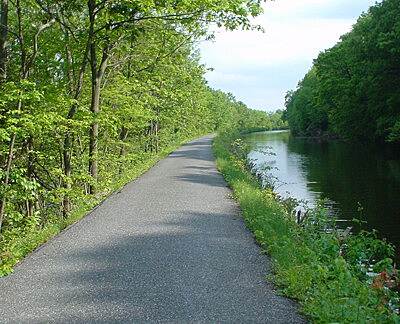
x=105, y=84
x=353, y=86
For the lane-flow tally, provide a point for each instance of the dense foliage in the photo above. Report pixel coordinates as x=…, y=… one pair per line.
x=94, y=92
x=353, y=89
x=337, y=277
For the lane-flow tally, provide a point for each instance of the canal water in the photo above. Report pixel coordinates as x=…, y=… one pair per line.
x=354, y=179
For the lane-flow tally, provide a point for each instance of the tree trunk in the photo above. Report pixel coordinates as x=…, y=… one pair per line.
x=10, y=157
x=67, y=174
x=30, y=174
x=3, y=40
x=3, y=78
x=156, y=136
x=94, y=133
x=75, y=90
x=123, y=134
x=96, y=77
x=97, y=71
x=66, y=150
x=7, y=177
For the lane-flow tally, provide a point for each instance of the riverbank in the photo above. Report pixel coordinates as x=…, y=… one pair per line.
x=356, y=180
x=336, y=279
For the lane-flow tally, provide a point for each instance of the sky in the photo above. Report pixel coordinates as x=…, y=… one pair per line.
x=259, y=68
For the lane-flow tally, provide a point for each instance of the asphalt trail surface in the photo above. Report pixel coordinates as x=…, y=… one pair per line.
x=169, y=247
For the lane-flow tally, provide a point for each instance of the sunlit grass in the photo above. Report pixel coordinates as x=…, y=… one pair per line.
x=309, y=264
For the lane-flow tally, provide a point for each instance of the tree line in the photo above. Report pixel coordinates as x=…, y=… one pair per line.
x=353, y=88
x=92, y=90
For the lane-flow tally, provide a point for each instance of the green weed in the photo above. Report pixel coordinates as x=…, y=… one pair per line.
x=329, y=275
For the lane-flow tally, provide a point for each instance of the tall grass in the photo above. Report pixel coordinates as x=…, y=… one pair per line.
x=329, y=275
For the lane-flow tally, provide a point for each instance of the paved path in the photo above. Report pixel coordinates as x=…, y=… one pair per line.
x=170, y=247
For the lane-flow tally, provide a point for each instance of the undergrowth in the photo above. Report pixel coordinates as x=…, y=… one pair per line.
x=328, y=274
x=18, y=242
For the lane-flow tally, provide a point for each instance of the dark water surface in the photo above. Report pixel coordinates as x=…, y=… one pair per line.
x=347, y=175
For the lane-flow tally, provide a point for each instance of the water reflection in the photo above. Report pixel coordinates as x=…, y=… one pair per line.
x=348, y=175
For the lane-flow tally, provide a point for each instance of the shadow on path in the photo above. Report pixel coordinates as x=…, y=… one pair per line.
x=157, y=277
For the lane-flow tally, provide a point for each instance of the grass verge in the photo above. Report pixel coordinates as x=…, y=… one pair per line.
x=16, y=244
x=335, y=279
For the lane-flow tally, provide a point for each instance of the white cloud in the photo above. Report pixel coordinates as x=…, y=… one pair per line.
x=287, y=9
x=228, y=77
x=281, y=43
x=295, y=32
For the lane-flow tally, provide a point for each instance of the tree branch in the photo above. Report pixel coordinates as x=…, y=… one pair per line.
x=172, y=17
x=36, y=42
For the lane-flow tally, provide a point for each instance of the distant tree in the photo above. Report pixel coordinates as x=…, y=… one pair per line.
x=353, y=89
